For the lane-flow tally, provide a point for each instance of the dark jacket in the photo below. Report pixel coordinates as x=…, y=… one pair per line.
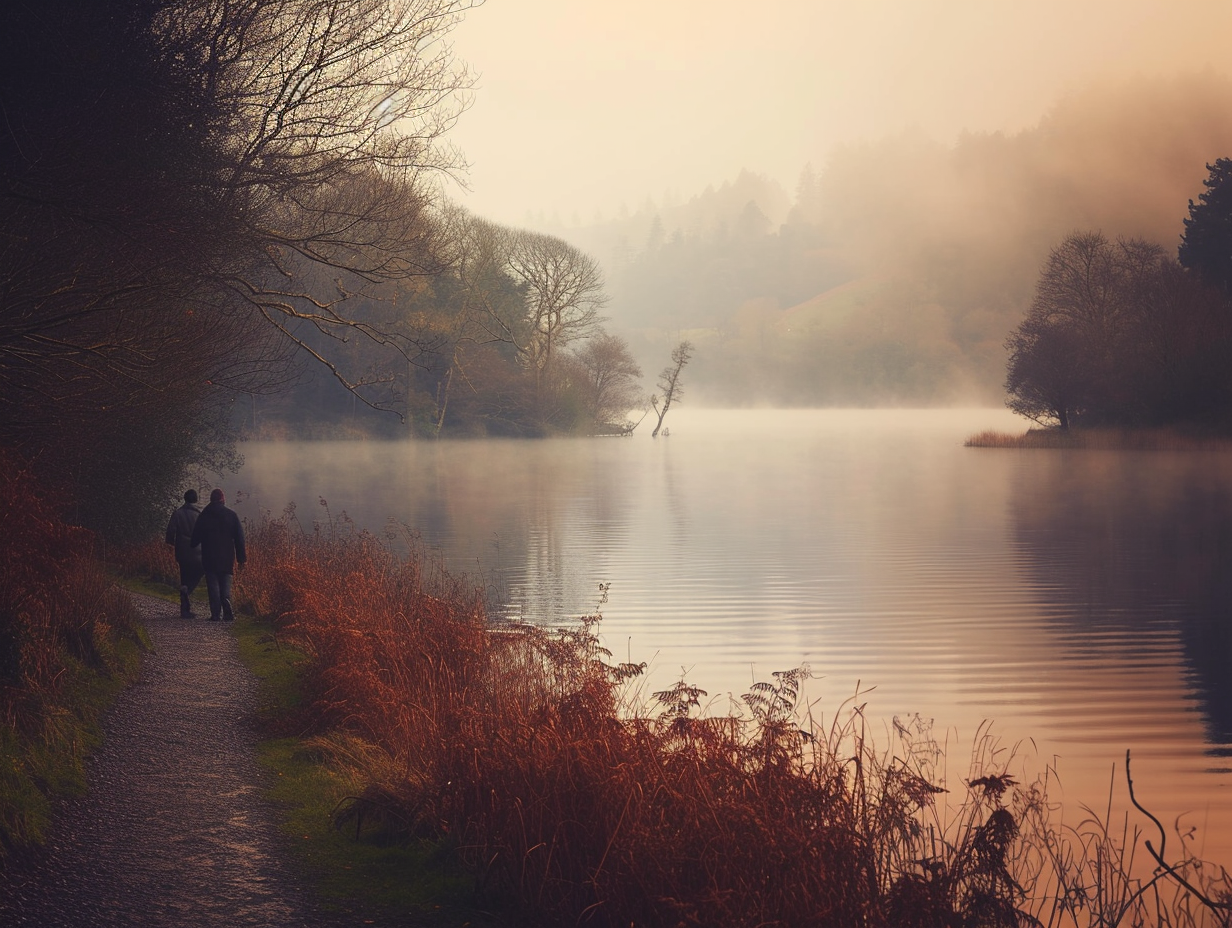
x=179, y=533
x=221, y=537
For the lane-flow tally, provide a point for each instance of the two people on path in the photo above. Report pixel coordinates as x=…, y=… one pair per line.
x=221, y=536
x=187, y=554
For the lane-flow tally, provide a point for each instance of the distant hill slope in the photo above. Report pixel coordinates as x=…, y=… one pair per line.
x=897, y=270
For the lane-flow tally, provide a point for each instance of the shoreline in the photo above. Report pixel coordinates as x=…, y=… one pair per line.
x=1078, y=439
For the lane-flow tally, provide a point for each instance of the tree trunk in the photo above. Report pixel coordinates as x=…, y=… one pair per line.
x=442, y=401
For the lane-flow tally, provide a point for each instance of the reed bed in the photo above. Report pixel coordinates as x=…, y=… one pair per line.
x=520, y=748
x=1093, y=439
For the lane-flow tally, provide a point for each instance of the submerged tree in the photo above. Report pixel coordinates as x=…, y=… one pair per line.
x=669, y=383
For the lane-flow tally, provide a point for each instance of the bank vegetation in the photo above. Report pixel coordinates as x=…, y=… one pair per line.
x=1120, y=335
x=69, y=641
x=1102, y=439
x=573, y=798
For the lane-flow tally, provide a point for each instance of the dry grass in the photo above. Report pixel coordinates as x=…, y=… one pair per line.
x=1102, y=440
x=516, y=746
x=68, y=639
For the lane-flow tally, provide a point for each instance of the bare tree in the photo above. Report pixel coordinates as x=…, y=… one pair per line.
x=563, y=291
x=486, y=307
x=492, y=305
x=1094, y=285
x=669, y=383
x=189, y=188
x=217, y=149
x=1113, y=336
x=1047, y=381
x=611, y=382
x=333, y=117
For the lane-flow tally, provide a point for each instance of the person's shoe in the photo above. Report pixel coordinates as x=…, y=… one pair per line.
x=213, y=618
x=185, y=606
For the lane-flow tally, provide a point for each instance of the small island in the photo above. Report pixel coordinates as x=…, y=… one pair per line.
x=1126, y=347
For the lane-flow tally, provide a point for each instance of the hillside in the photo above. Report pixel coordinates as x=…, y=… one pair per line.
x=895, y=271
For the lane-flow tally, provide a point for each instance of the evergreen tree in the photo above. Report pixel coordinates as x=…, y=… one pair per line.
x=1206, y=246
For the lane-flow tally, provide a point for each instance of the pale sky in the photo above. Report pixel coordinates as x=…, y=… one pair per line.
x=583, y=105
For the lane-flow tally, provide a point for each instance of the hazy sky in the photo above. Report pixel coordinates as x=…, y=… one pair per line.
x=584, y=104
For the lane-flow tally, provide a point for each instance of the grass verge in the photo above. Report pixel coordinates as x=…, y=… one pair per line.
x=397, y=710
x=44, y=759
x=371, y=873
x=69, y=642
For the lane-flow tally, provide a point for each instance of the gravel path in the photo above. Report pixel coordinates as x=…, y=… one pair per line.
x=174, y=830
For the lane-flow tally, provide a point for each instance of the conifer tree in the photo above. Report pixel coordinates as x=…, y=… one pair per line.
x=1206, y=246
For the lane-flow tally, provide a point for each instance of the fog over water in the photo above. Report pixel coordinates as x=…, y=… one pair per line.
x=838, y=204
x=1078, y=601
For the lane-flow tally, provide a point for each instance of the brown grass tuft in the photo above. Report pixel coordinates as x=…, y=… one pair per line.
x=514, y=744
x=67, y=636
x=1102, y=440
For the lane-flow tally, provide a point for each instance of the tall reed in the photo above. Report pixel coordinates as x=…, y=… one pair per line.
x=520, y=747
x=1103, y=439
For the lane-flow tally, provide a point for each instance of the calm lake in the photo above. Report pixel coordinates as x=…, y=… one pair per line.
x=1080, y=602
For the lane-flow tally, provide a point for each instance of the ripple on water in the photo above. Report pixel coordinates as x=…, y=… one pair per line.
x=1074, y=599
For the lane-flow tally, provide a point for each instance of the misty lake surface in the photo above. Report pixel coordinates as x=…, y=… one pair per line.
x=1078, y=601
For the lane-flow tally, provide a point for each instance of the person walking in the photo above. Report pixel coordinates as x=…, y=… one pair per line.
x=187, y=555
x=221, y=536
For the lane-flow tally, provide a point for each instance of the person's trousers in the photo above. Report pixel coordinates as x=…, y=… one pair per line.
x=190, y=575
x=219, y=588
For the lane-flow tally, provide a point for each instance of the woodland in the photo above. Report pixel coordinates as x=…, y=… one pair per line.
x=221, y=217
x=207, y=234
x=894, y=272
x=205, y=206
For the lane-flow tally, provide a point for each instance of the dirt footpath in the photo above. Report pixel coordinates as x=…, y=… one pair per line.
x=174, y=830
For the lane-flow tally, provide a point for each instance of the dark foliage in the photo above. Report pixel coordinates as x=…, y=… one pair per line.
x=1120, y=335
x=113, y=352
x=186, y=189
x=1206, y=246
x=65, y=634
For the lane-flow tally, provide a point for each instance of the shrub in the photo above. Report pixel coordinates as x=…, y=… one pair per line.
x=68, y=638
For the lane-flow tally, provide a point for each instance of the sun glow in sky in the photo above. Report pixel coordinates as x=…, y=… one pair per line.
x=583, y=106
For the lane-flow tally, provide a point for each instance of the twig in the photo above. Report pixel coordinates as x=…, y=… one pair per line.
x=1163, y=837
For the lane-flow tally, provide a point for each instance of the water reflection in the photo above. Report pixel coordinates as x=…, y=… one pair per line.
x=1080, y=601
x=1131, y=547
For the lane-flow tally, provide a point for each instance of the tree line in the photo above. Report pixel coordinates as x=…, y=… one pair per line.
x=190, y=190
x=511, y=342
x=207, y=204
x=1122, y=334
x=893, y=271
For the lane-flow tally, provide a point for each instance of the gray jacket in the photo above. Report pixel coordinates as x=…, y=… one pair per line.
x=179, y=533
